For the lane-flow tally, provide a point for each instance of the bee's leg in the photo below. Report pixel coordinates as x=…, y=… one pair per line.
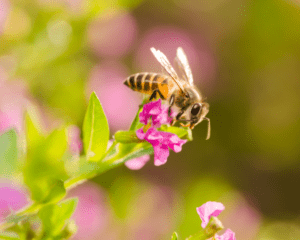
x=177, y=117
x=171, y=102
x=173, y=122
x=154, y=95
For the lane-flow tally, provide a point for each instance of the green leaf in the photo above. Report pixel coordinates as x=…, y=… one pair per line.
x=214, y=225
x=95, y=130
x=56, y=192
x=183, y=133
x=9, y=236
x=125, y=152
x=174, y=236
x=69, y=230
x=55, y=217
x=8, y=153
x=44, y=169
x=56, y=145
x=136, y=121
x=33, y=129
x=126, y=137
x=122, y=152
x=199, y=236
x=21, y=230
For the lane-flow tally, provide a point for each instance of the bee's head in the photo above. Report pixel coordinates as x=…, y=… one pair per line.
x=198, y=112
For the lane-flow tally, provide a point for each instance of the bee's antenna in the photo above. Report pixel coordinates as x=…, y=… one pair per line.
x=208, y=128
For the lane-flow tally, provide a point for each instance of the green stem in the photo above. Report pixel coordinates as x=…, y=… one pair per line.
x=68, y=184
x=72, y=182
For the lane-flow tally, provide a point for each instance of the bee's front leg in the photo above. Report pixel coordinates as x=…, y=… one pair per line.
x=177, y=117
x=169, y=111
x=171, y=102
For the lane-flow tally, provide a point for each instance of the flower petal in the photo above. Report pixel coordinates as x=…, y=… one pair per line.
x=157, y=112
x=228, y=235
x=137, y=163
x=151, y=109
x=140, y=134
x=209, y=209
x=176, y=143
x=154, y=137
x=161, y=142
x=161, y=154
x=165, y=113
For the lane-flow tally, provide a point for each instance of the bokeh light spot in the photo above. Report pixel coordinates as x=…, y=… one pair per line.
x=18, y=23
x=119, y=102
x=167, y=39
x=112, y=34
x=59, y=32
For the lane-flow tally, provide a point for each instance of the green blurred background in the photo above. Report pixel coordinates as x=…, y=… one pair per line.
x=245, y=58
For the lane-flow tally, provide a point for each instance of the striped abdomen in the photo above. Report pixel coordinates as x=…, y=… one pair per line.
x=148, y=82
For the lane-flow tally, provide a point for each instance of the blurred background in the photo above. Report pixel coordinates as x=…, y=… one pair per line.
x=245, y=58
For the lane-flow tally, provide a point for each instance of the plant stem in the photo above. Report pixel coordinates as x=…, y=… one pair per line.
x=68, y=184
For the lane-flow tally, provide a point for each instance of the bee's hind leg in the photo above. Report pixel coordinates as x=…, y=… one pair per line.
x=153, y=96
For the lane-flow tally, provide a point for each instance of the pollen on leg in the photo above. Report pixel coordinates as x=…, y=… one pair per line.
x=185, y=125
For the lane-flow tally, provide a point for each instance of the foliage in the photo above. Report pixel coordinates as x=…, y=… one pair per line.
x=46, y=175
x=8, y=153
x=244, y=58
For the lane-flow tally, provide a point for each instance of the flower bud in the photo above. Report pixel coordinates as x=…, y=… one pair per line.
x=214, y=225
x=126, y=137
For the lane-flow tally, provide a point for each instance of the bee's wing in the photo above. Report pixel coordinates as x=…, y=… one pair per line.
x=167, y=66
x=184, y=66
x=180, y=69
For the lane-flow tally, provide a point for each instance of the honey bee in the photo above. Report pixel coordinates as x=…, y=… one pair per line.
x=181, y=93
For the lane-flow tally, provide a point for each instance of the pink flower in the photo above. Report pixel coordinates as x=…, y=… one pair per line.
x=161, y=142
x=137, y=163
x=106, y=80
x=113, y=34
x=12, y=197
x=209, y=209
x=228, y=235
x=13, y=100
x=75, y=143
x=92, y=213
x=4, y=122
x=241, y=209
x=152, y=222
x=4, y=11
x=157, y=112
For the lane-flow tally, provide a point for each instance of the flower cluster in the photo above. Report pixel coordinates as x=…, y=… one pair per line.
x=156, y=114
x=209, y=209
x=161, y=142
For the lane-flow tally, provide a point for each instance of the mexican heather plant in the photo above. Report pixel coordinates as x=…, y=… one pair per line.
x=52, y=166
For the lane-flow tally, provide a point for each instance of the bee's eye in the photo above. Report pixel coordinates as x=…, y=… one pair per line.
x=196, y=109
